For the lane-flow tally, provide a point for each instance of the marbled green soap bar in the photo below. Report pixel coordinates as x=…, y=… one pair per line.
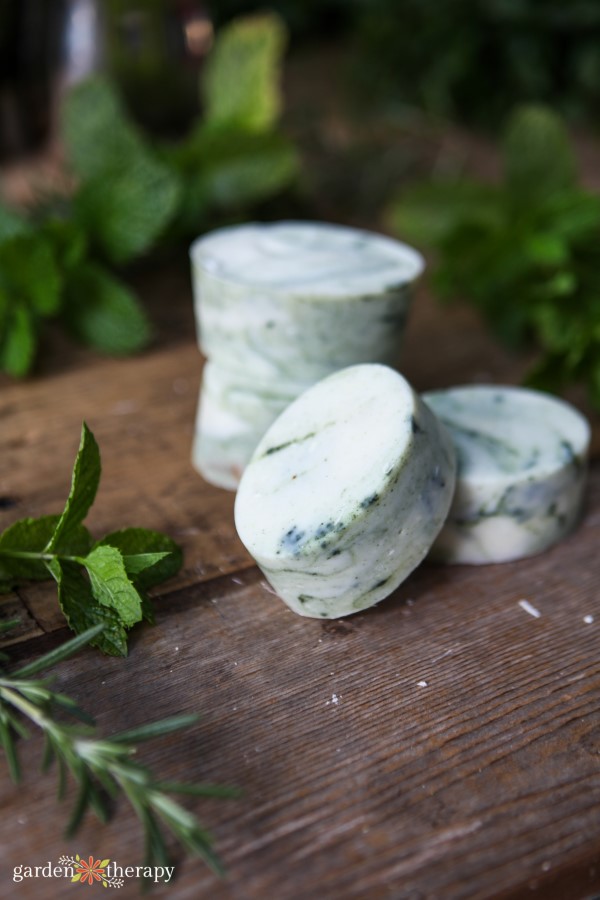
x=346, y=492
x=296, y=301
x=521, y=472
x=233, y=414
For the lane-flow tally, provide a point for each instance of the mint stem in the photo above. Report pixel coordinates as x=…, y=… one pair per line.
x=30, y=554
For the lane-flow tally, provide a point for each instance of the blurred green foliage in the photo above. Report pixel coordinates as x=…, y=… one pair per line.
x=58, y=261
x=465, y=60
x=525, y=253
x=472, y=60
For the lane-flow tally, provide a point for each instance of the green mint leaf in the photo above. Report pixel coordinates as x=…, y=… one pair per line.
x=96, y=129
x=18, y=343
x=84, y=485
x=28, y=269
x=26, y=536
x=127, y=207
x=135, y=541
x=128, y=196
x=572, y=215
x=241, y=77
x=110, y=585
x=233, y=169
x=102, y=312
x=32, y=536
x=135, y=565
x=11, y=223
x=539, y=160
x=69, y=242
x=83, y=612
x=428, y=212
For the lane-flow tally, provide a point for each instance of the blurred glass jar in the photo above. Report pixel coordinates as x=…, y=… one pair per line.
x=153, y=49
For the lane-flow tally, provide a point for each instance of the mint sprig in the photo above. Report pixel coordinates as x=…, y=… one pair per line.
x=524, y=252
x=101, y=582
x=130, y=194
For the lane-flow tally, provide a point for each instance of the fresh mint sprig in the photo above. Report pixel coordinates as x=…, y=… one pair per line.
x=524, y=252
x=103, y=768
x=58, y=263
x=100, y=583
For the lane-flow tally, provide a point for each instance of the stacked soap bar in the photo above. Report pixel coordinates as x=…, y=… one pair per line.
x=359, y=478
x=279, y=307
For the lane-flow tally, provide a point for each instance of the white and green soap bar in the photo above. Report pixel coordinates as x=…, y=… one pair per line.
x=296, y=301
x=521, y=472
x=233, y=414
x=346, y=492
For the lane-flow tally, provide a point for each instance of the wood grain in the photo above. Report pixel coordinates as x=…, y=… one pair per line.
x=359, y=780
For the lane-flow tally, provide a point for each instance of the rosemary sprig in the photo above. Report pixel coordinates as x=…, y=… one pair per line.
x=103, y=768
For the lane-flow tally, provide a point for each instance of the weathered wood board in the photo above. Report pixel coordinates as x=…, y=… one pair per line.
x=445, y=745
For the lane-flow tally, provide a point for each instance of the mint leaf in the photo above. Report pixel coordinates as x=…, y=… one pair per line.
x=96, y=128
x=235, y=169
x=127, y=196
x=110, y=585
x=11, y=223
x=241, y=76
x=28, y=269
x=428, y=211
x=128, y=206
x=84, y=485
x=135, y=541
x=539, y=158
x=29, y=536
x=18, y=342
x=32, y=536
x=104, y=313
x=82, y=611
x=135, y=565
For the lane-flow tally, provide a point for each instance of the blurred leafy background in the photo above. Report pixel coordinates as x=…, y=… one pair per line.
x=458, y=125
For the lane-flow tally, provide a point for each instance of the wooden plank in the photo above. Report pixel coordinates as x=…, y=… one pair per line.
x=442, y=745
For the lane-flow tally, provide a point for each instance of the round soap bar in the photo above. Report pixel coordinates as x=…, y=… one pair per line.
x=233, y=414
x=521, y=472
x=298, y=300
x=346, y=492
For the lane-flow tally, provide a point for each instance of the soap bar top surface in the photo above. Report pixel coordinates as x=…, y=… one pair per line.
x=346, y=492
x=323, y=461
x=307, y=259
x=503, y=433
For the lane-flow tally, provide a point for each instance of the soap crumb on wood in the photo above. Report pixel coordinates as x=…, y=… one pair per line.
x=588, y=620
x=528, y=608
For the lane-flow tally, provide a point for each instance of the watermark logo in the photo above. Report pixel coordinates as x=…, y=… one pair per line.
x=90, y=871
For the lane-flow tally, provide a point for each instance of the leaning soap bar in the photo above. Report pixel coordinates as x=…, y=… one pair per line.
x=346, y=492
x=296, y=301
x=521, y=472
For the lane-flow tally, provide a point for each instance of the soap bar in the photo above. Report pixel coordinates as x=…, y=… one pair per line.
x=233, y=414
x=521, y=472
x=346, y=492
x=296, y=301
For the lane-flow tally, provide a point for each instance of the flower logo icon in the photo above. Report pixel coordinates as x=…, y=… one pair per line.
x=90, y=870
